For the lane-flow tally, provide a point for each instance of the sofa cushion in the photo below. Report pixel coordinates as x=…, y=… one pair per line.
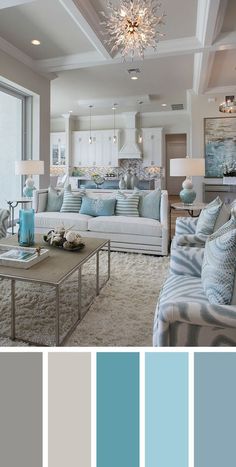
x=222, y=217
x=207, y=219
x=54, y=199
x=50, y=220
x=98, y=207
x=125, y=225
x=72, y=201
x=218, y=269
x=127, y=205
x=149, y=204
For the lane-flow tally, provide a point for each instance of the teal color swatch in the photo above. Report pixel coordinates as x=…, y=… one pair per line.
x=215, y=409
x=117, y=409
x=166, y=410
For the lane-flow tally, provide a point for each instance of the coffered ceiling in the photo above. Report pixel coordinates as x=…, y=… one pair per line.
x=197, y=52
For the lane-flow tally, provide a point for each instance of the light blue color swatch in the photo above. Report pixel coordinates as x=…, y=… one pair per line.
x=117, y=409
x=215, y=409
x=166, y=410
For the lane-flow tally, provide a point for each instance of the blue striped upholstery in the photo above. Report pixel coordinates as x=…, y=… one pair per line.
x=184, y=316
x=185, y=225
x=4, y=216
x=192, y=240
x=186, y=261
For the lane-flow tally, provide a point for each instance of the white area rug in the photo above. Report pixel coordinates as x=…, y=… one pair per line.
x=122, y=315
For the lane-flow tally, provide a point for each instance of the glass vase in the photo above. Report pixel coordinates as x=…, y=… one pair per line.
x=26, y=227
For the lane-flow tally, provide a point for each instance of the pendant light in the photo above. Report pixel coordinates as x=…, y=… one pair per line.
x=114, y=123
x=140, y=136
x=90, y=124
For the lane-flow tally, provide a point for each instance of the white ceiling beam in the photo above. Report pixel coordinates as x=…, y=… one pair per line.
x=226, y=90
x=11, y=3
x=210, y=16
x=225, y=41
x=183, y=46
x=203, y=63
x=86, y=18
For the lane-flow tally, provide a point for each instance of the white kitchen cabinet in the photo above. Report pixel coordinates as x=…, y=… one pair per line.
x=58, y=148
x=101, y=153
x=152, y=147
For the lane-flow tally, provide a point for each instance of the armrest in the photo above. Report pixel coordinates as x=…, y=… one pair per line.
x=40, y=198
x=186, y=261
x=185, y=225
x=191, y=240
x=4, y=216
x=164, y=220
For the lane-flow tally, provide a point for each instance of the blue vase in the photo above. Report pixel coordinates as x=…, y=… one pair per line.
x=187, y=196
x=26, y=227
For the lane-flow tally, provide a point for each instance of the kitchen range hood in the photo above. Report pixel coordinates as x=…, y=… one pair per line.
x=130, y=149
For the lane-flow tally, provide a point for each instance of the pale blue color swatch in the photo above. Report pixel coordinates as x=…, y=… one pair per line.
x=166, y=410
x=215, y=409
x=118, y=409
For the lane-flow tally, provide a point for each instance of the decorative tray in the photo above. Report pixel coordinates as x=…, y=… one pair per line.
x=76, y=248
x=21, y=257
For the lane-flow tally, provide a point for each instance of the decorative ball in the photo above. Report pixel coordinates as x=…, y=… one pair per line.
x=70, y=236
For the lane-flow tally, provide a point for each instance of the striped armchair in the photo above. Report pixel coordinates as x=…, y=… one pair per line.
x=184, y=316
x=4, y=216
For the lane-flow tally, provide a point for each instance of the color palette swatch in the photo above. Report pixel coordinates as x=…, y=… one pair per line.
x=129, y=409
x=117, y=409
x=21, y=409
x=166, y=408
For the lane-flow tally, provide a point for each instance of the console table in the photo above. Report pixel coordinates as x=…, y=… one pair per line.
x=227, y=193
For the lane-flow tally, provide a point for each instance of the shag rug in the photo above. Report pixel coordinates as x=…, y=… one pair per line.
x=122, y=315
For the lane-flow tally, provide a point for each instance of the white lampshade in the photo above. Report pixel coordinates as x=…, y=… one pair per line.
x=29, y=167
x=187, y=167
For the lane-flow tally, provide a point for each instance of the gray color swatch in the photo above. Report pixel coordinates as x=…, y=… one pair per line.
x=69, y=404
x=21, y=409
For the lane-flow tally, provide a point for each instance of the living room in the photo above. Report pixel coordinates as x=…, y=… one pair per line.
x=104, y=123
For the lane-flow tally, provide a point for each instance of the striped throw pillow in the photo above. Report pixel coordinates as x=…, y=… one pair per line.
x=72, y=201
x=127, y=205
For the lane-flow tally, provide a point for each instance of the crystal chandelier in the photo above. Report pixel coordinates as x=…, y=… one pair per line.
x=229, y=105
x=133, y=26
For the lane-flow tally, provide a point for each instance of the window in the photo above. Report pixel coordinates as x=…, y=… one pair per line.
x=13, y=141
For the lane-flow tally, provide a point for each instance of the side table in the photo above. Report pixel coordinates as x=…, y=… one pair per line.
x=13, y=205
x=190, y=208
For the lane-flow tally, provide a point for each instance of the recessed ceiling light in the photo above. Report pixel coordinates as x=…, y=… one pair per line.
x=133, y=73
x=70, y=111
x=35, y=42
x=163, y=105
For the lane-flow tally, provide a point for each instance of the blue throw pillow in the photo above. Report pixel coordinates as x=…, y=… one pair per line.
x=207, y=219
x=55, y=200
x=98, y=207
x=149, y=205
x=218, y=268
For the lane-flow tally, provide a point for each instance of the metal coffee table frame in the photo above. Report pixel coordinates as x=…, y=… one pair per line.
x=78, y=268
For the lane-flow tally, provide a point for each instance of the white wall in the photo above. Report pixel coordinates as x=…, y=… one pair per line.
x=19, y=75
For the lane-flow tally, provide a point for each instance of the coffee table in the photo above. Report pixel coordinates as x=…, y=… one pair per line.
x=53, y=271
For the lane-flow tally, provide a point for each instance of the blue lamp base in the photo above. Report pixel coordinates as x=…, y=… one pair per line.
x=187, y=195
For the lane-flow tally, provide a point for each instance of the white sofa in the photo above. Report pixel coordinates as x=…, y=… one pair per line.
x=133, y=234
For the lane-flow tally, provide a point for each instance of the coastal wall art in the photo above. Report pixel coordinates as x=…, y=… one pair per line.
x=220, y=145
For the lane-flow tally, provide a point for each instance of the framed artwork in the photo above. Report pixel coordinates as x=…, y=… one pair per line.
x=220, y=145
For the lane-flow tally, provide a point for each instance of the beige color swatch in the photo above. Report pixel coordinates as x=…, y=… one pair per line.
x=69, y=409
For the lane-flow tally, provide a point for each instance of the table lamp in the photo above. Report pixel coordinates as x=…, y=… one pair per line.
x=29, y=167
x=187, y=167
